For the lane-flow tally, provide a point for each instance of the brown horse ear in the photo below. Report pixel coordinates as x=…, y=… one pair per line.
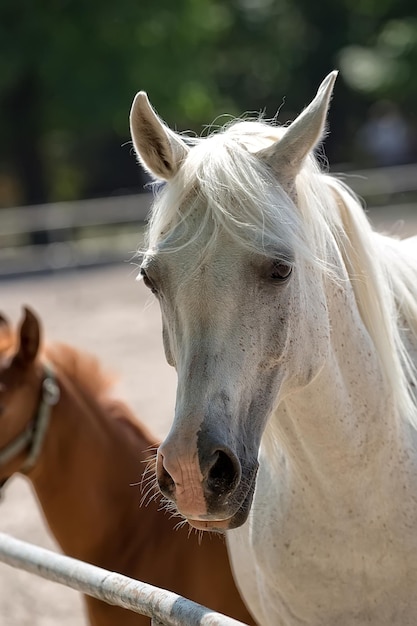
x=4, y=322
x=5, y=332
x=29, y=334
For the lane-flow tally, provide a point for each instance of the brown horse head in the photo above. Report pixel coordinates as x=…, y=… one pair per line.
x=21, y=379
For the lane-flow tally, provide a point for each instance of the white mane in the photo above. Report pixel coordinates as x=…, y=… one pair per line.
x=240, y=194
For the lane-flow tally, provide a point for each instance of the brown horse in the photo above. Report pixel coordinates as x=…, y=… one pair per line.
x=82, y=451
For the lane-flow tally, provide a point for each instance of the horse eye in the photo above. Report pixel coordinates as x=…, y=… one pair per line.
x=280, y=271
x=147, y=281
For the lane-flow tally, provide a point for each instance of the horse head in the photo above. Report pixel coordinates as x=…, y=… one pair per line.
x=229, y=264
x=21, y=379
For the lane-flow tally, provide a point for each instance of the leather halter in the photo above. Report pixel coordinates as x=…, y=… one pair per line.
x=35, y=431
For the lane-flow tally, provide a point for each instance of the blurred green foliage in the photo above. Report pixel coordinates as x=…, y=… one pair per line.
x=69, y=70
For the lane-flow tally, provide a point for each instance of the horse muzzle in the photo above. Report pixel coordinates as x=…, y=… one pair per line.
x=209, y=489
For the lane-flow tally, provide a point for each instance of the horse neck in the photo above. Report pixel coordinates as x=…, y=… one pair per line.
x=342, y=429
x=84, y=476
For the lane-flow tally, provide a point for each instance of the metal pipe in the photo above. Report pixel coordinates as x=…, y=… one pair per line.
x=164, y=607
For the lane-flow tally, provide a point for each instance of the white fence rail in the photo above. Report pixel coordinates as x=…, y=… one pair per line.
x=384, y=181
x=108, y=230
x=71, y=234
x=163, y=607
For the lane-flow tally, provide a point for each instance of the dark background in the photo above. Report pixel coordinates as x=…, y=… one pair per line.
x=69, y=70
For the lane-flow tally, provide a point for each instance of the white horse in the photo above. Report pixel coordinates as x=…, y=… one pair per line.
x=293, y=329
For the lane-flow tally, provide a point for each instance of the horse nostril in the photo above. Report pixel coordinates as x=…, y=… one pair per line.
x=165, y=481
x=224, y=473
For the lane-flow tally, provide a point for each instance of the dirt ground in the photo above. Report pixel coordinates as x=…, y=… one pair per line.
x=106, y=312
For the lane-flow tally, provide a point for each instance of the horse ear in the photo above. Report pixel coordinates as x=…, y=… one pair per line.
x=29, y=334
x=4, y=323
x=160, y=150
x=286, y=155
x=5, y=332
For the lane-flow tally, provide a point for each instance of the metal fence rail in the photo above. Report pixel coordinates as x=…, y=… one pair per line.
x=163, y=607
x=63, y=235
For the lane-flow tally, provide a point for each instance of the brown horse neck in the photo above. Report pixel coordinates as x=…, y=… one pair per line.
x=87, y=476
